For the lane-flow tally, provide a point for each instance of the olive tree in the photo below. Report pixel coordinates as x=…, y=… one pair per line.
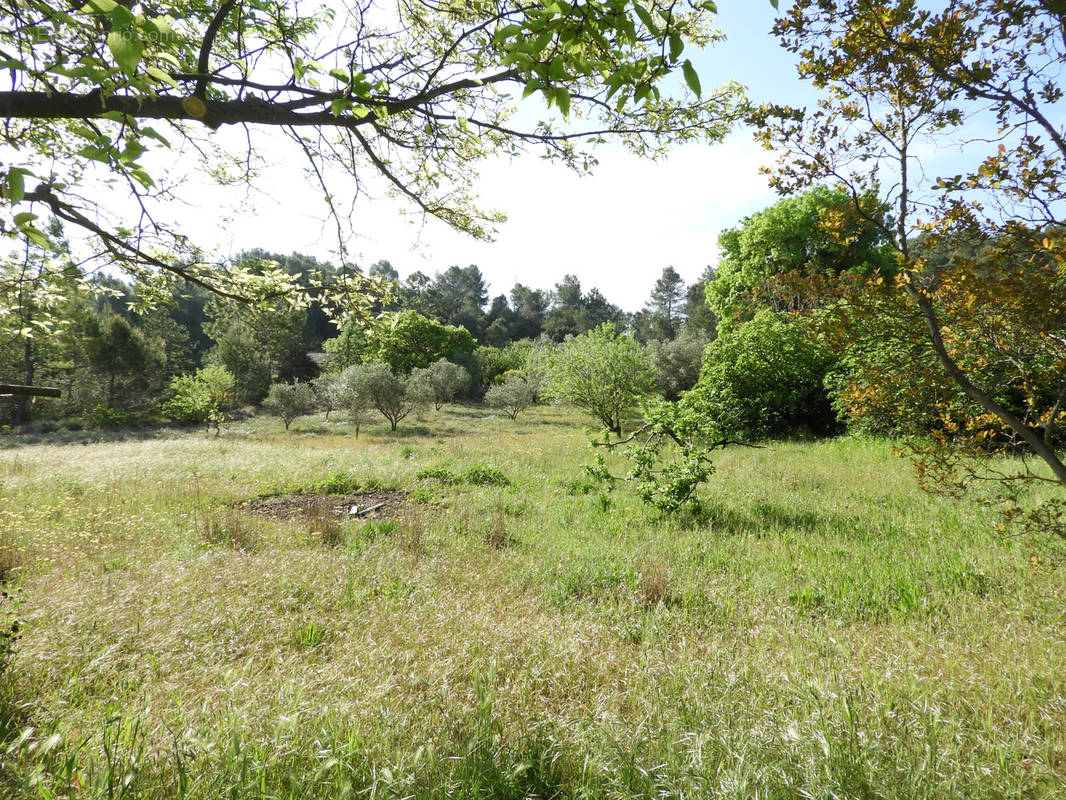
x=325, y=391
x=601, y=372
x=441, y=381
x=351, y=394
x=513, y=396
x=289, y=401
x=394, y=396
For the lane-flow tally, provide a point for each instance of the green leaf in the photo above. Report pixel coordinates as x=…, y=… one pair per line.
x=16, y=184
x=531, y=87
x=341, y=74
x=162, y=76
x=562, y=99
x=152, y=133
x=132, y=152
x=99, y=7
x=556, y=70
x=140, y=174
x=646, y=18
x=127, y=50
x=121, y=18
x=34, y=235
x=95, y=153
x=691, y=78
x=676, y=45
x=506, y=32
x=774, y=4
x=25, y=218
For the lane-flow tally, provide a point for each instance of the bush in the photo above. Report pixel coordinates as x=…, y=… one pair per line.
x=107, y=417
x=484, y=475
x=513, y=396
x=289, y=401
x=203, y=396
x=412, y=340
x=765, y=378
x=442, y=474
x=498, y=361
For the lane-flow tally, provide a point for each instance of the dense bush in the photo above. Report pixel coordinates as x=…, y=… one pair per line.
x=202, y=396
x=763, y=378
x=496, y=362
x=412, y=340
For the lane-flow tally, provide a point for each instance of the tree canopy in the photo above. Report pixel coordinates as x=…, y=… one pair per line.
x=899, y=76
x=414, y=93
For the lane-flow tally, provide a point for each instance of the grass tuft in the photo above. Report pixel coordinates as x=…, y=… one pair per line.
x=228, y=527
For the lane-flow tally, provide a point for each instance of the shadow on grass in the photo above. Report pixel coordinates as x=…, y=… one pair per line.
x=91, y=436
x=761, y=518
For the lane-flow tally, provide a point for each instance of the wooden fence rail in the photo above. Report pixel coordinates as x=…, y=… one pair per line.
x=28, y=391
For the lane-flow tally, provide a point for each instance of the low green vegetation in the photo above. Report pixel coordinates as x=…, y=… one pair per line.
x=819, y=629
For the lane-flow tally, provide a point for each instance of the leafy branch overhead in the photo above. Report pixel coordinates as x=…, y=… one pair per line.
x=414, y=93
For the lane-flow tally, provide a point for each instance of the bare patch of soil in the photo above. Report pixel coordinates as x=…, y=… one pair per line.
x=366, y=505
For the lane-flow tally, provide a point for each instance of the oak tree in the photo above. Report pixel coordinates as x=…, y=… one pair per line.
x=899, y=77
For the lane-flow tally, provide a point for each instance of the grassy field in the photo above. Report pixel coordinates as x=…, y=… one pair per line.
x=824, y=630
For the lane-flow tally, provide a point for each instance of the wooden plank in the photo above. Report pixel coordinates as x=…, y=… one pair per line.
x=29, y=391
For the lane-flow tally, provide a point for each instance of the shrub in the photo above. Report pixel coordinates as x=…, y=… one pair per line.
x=513, y=396
x=442, y=474
x=412, y=340
x=499, y=361
x=484, y=475
x=289, y=401
x=202, y=396
x=765, y=378
x=107, y=417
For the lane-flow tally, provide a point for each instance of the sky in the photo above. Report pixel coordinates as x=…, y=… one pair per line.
x=615, y=229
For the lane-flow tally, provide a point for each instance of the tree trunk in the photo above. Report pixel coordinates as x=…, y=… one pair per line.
x=21, y=416
x=978, y=395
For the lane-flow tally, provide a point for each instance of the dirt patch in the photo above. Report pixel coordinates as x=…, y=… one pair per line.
x=366, y=505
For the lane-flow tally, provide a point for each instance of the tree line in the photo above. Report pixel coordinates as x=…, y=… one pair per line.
x=115, y=347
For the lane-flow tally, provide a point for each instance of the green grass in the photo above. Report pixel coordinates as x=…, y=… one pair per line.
x=823, y=630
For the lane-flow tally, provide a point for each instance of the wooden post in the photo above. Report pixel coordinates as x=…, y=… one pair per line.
x=8, y=389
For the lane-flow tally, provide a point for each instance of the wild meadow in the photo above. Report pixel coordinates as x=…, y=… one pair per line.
x=511, y=629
